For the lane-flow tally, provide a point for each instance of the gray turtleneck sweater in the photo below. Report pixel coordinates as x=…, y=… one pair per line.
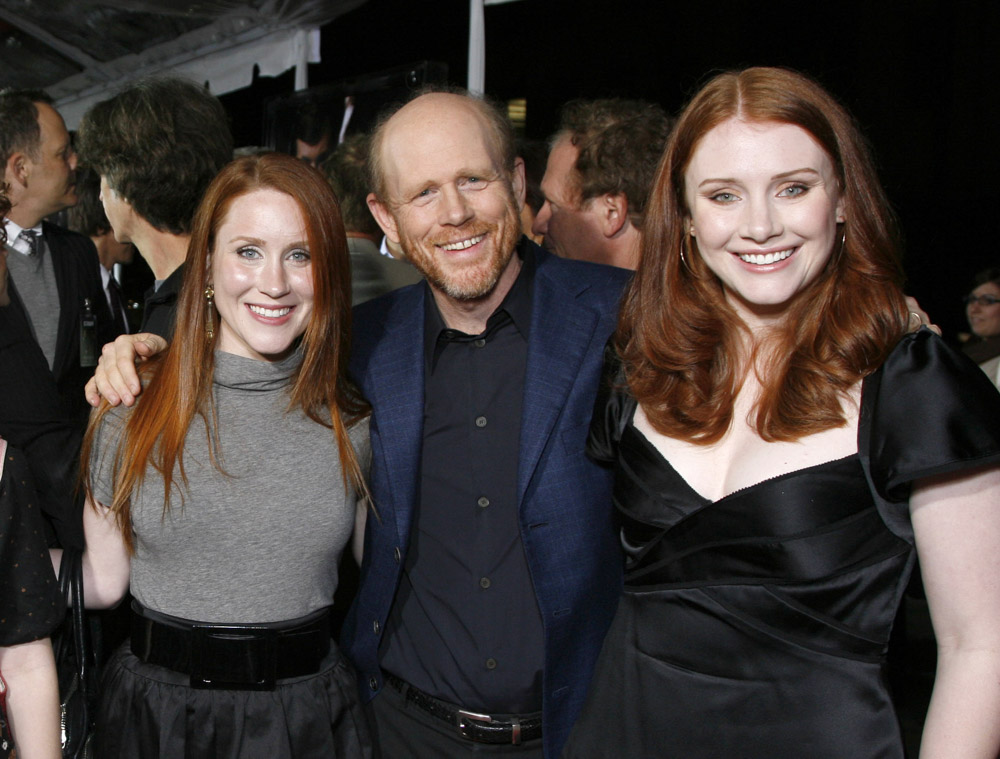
x=259, y=545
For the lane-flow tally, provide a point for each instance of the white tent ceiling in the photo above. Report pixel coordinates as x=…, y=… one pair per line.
x=81, y=51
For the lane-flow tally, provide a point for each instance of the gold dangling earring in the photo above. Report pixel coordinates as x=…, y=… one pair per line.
x=685, y=242
x=209, y=313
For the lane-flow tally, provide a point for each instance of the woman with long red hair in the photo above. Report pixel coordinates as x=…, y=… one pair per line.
x=784, y=449
x=224, y=498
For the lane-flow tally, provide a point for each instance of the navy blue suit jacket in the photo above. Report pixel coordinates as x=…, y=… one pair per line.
x=567, y=522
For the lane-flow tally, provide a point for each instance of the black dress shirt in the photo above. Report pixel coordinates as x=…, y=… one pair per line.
x=465, y=626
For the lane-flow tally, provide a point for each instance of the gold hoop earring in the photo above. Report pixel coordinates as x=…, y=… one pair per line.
x=685, y=242
x=209, y=312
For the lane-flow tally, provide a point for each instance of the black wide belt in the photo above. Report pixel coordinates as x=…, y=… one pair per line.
x=482, y=728
x=232, y=657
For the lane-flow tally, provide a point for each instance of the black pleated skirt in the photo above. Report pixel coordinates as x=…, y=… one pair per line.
x=149, y=711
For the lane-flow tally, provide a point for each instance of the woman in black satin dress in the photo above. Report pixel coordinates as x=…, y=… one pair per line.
x=784, y=448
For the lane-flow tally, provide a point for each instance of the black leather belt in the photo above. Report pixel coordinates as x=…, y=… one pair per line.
x=482, y=728
x=233, y=657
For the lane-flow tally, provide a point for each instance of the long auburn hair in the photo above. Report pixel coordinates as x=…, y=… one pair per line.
x=178, y=382
x=679, y=339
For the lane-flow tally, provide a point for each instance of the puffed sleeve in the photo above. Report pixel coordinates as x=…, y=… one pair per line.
x=31, y=606
x=927, y=411
x=612, y=410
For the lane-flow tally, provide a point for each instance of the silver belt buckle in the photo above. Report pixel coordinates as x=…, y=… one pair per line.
x=464, y=721
x=463, y=718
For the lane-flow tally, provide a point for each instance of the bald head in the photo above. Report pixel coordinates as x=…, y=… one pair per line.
x=450, y=191
x=431, y=111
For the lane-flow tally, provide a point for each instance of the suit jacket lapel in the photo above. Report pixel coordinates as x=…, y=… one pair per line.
x=561, y=332
x=396, y=390
x=68, y=310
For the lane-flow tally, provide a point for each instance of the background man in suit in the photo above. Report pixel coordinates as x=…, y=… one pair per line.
x=372, y=274
x=88, y=218
x=600, y=170
x=44, y=363
x=490, y=573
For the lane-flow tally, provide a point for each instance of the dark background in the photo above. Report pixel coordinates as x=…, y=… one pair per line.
x=921, y=77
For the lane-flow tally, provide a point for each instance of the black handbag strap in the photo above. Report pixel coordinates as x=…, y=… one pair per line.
x=71, y=587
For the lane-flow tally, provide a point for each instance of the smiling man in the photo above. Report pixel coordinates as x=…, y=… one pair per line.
x=489, y=577
x=51, y=273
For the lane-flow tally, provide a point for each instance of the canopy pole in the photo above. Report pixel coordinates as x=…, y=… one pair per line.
x=476, y=81
x=306, y=49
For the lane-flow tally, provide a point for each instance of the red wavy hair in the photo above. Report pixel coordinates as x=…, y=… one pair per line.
x=680, y=340
x=179, y=381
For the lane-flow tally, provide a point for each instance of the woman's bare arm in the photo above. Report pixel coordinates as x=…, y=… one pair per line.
x=32, y=698
x=956, y=520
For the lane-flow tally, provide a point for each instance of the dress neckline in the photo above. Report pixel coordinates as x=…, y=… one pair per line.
x=647, y=444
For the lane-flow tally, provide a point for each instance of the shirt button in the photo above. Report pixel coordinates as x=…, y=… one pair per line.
x=484, y=583
x=480, y=421
x=491, y=663
x=397, y=554
x=483, y=502
x=450, y=334
x=375, y=626
x=373, y=683
x=479, y=343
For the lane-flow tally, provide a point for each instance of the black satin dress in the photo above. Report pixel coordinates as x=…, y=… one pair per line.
x=756, y=626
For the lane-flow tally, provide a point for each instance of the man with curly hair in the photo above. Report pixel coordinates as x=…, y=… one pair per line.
x=156, y=145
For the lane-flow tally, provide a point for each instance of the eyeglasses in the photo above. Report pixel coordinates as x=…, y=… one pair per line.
x=982, y=300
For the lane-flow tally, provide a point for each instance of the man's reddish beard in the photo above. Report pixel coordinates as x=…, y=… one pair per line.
x=474, y=280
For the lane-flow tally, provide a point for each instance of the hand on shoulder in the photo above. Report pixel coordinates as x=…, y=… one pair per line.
x=116, y=379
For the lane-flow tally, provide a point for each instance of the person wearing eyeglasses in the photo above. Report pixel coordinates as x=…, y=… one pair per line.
x=982, y=309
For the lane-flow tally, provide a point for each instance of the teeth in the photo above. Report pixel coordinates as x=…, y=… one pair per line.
x=271, y=313
x=768, y=258
x=463, y=244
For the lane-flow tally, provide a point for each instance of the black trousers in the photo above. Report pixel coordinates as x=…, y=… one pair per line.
x=405, y=731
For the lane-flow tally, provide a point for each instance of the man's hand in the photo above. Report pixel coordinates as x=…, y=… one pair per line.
x=116, y=379
x=919, y=317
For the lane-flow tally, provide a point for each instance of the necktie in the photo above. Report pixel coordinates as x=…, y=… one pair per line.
x=30, y=236
x=117, y=310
